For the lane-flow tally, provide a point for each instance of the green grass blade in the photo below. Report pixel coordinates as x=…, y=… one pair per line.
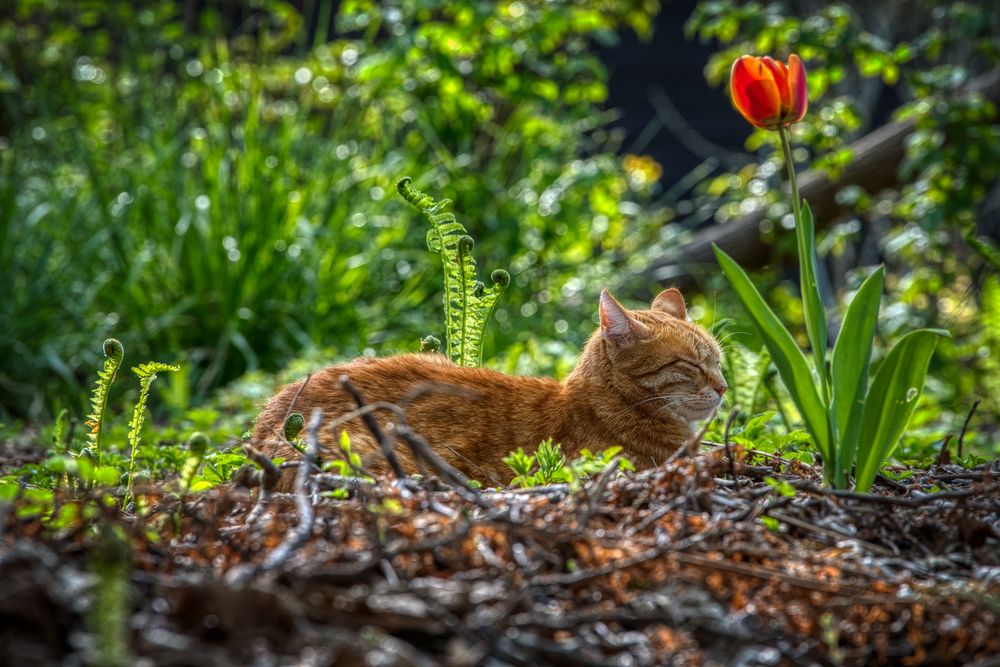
x=812, y=301
x=788, y=358
x=893, y=396
x=851, y=356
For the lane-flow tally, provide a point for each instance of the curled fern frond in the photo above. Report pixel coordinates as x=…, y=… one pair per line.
x=115, y=352
x=146, y=374
x=430, y=344
x=413, y=197
x=501, y=278
x=113, y=349
x=198, y=443
x=294, y=425
x=468, y=303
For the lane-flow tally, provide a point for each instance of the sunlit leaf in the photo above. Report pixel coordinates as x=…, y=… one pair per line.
x=851, y=356
x=893, y=396
x=788, y=358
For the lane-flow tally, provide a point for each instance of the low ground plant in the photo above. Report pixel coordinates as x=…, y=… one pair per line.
x=548, y=465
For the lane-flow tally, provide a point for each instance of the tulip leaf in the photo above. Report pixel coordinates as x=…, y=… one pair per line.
x=812, y=301
x=788, y=358
x=851, y=356
x=893, y=396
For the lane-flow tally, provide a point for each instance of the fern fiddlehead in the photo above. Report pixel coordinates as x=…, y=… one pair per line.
x=468, y=303
x=146, y=374
x=115, y=352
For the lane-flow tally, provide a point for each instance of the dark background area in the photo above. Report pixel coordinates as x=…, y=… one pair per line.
x=669, y=64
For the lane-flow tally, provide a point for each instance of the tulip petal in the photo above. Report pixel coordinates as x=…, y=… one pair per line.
x=754, y=92
x=797, y=90
x=780, y=73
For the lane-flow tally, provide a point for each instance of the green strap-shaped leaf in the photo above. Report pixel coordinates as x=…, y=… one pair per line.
x=812, y=301
x=891, y=400
x=851, y=356
x=788, y=358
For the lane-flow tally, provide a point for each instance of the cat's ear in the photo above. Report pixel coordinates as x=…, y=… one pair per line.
x=671, y=302
x=617, y=326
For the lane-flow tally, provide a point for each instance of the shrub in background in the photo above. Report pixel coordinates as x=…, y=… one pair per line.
x=229, y=197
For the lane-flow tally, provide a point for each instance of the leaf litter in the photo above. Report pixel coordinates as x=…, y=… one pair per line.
x=702, y=561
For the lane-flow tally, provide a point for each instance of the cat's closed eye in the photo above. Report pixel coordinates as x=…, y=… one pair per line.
x=689, y=366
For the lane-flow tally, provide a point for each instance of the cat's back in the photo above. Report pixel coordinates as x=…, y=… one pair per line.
x=391, y=377
x=415, y=380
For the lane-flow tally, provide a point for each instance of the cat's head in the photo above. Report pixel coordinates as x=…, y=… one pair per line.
x=657, y=354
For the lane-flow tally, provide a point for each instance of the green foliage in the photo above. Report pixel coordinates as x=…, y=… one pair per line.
x=348, y=467
x=430, y=344
x=757, y=435
x=781, y=487
x=198, y=444
x=225, y=198
x=851, y=358
x=548, y=465
x=855, y=420
x=59, y=430
x=468, y=303
x=522, y=464
x=771, y=523
x=588, y=463
x=178, y=464
x=788, y=358
x=891, y=401
x=115, y=352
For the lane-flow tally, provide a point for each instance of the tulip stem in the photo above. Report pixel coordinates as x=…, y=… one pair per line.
x=812, y=301
x=786, y=148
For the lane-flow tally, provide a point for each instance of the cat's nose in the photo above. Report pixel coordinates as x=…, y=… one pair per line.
x=720, y=387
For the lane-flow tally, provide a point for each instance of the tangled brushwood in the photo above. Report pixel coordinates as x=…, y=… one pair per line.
x=703, y=561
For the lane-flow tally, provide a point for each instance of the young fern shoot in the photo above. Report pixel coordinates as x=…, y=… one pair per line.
x=115, y=352
x=146, y=374
x=468, y=302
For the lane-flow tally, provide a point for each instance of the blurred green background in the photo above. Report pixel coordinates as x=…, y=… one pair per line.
x=213, y=182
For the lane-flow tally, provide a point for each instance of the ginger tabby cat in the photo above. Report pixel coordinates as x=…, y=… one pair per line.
x=642, y=379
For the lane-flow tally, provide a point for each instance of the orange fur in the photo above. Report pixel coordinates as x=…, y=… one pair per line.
x=642, y=379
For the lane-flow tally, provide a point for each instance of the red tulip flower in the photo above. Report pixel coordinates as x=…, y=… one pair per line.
x=768, y=93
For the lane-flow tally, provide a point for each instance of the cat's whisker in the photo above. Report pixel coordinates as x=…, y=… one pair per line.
x=727, y=340
x=638, y=403
x=680, y=400
x=727, y=329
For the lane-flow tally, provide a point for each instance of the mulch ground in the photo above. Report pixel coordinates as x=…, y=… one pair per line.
x=698, y=562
